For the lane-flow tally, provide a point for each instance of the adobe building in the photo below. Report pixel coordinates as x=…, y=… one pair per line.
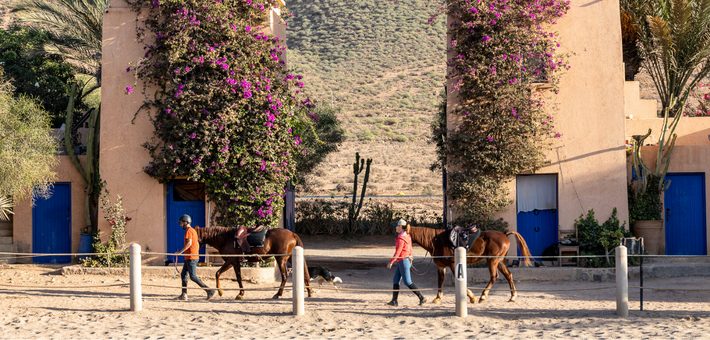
x=588, y=162
x=685, y=201
x=54, y=225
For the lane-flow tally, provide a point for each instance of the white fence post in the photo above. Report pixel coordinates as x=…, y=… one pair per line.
x=136, y=294
x=461, y=283
x=622, y=282
x=297, y=280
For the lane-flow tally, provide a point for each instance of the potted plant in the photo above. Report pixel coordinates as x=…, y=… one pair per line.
x=645, y=206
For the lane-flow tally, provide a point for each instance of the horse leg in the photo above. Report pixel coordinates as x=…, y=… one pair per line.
x=493, y=269
x=238, y=273
x=221, y=270
x=442, y=272
x=307, y=279
x=508, y=276
x=282, y=266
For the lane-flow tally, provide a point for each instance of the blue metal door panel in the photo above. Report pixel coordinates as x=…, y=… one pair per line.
x=539, y=229
x=51, y=225
x=685, y=215
x=176, y=235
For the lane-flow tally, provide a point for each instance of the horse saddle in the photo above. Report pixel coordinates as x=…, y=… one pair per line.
x=247, y=238
x=463, y=237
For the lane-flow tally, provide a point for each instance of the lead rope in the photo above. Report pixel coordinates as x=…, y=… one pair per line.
x=176, y=271
x=431, y=260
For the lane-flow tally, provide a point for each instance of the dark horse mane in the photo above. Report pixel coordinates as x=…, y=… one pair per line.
x=425, y=237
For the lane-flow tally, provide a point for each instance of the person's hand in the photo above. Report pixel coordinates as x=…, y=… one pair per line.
x=474, y=229
x=176, y=253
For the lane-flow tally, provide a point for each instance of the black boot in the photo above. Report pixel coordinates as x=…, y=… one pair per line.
x=422, y=300
x=395, y=294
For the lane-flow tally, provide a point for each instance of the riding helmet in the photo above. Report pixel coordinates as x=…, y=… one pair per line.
x=185, y=218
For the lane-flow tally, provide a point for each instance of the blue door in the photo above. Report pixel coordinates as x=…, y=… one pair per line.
x=51, y=225
x=539, y=230
x=537, y=211
x=685, y=215
x=177, y=207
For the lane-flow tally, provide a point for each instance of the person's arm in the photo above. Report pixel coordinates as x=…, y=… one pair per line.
x=186, y=247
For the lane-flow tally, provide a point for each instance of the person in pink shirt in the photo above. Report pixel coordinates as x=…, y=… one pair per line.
x=402, y=258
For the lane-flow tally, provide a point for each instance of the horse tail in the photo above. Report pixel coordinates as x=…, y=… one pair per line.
x=298, y=240
x=523, y=246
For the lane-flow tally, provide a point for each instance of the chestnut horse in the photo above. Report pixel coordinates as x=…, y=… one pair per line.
x=277, y=241
x=489, y=243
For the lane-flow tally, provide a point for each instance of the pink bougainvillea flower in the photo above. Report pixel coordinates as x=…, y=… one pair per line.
x=129, y=89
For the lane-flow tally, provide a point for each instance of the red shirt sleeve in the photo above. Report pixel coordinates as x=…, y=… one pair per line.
x=399, y=249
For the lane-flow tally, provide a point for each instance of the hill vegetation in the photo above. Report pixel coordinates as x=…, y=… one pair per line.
x=383, y=66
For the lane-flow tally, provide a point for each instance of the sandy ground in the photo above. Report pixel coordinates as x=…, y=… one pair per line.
x=73, y=312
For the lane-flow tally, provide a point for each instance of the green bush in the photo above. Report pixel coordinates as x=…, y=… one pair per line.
x=599, y=239
x=45, y=78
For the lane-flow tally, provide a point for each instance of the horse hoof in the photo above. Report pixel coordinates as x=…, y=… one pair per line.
x=481, y=300
x=221, y=292
x=472, y=299
x=239, y=297
x=276, y=296
x=436, y=301
x=511, y=300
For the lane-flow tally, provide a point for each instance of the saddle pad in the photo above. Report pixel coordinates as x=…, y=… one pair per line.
x=257, y=239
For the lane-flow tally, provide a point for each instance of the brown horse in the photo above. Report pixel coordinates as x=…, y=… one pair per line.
x=490, y=243
x=277, y=241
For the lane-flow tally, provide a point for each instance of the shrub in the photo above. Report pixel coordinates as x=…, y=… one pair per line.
x=596, y=239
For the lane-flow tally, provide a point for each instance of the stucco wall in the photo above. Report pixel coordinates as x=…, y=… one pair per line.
x=122, y=156
x=589, y=158
x=22, y=225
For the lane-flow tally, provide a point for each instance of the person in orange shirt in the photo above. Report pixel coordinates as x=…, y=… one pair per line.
x=192, y=249
x=402, y=256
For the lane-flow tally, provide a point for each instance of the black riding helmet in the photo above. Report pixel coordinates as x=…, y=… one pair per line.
x=185, y=218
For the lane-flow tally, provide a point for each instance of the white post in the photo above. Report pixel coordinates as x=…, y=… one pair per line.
x=461, y=283
x=622, y=282
x=297, y=280
x=136, y=295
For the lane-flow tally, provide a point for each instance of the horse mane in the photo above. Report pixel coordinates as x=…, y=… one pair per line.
x=424, y=237
x=216, y=236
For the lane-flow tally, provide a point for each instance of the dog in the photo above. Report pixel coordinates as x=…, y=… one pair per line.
x=323, y=274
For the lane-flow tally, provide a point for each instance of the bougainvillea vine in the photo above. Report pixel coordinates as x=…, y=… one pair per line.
x=227, y=112
x=500, y=53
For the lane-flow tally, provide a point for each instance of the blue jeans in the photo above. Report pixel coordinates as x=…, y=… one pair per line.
x=402, y=272
x=190, y=267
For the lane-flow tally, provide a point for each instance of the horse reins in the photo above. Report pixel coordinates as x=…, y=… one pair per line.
x=431, y=260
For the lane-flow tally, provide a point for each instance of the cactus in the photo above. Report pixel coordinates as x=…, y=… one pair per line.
x=354, y=209
x=665, y=148
x=91, y=177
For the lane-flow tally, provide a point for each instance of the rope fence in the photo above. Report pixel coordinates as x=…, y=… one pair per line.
x=367, y=257
x=297, y=286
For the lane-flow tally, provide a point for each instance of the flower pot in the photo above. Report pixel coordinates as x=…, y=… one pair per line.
x=85, y=245
x=652, y=233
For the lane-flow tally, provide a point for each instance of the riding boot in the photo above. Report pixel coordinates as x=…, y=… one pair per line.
x=422, y=300
x=395, y=294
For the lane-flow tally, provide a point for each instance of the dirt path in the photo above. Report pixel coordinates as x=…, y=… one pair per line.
x=71, y=312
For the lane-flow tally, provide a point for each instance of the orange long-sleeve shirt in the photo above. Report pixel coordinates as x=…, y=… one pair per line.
x=403, y=247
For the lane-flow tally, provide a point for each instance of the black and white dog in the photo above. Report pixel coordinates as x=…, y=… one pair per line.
x=323, y=274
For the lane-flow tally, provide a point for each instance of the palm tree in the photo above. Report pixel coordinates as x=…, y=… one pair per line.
x=674, y=43
x=75, y=31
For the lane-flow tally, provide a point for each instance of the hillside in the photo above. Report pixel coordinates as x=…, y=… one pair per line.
x=384, y=67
